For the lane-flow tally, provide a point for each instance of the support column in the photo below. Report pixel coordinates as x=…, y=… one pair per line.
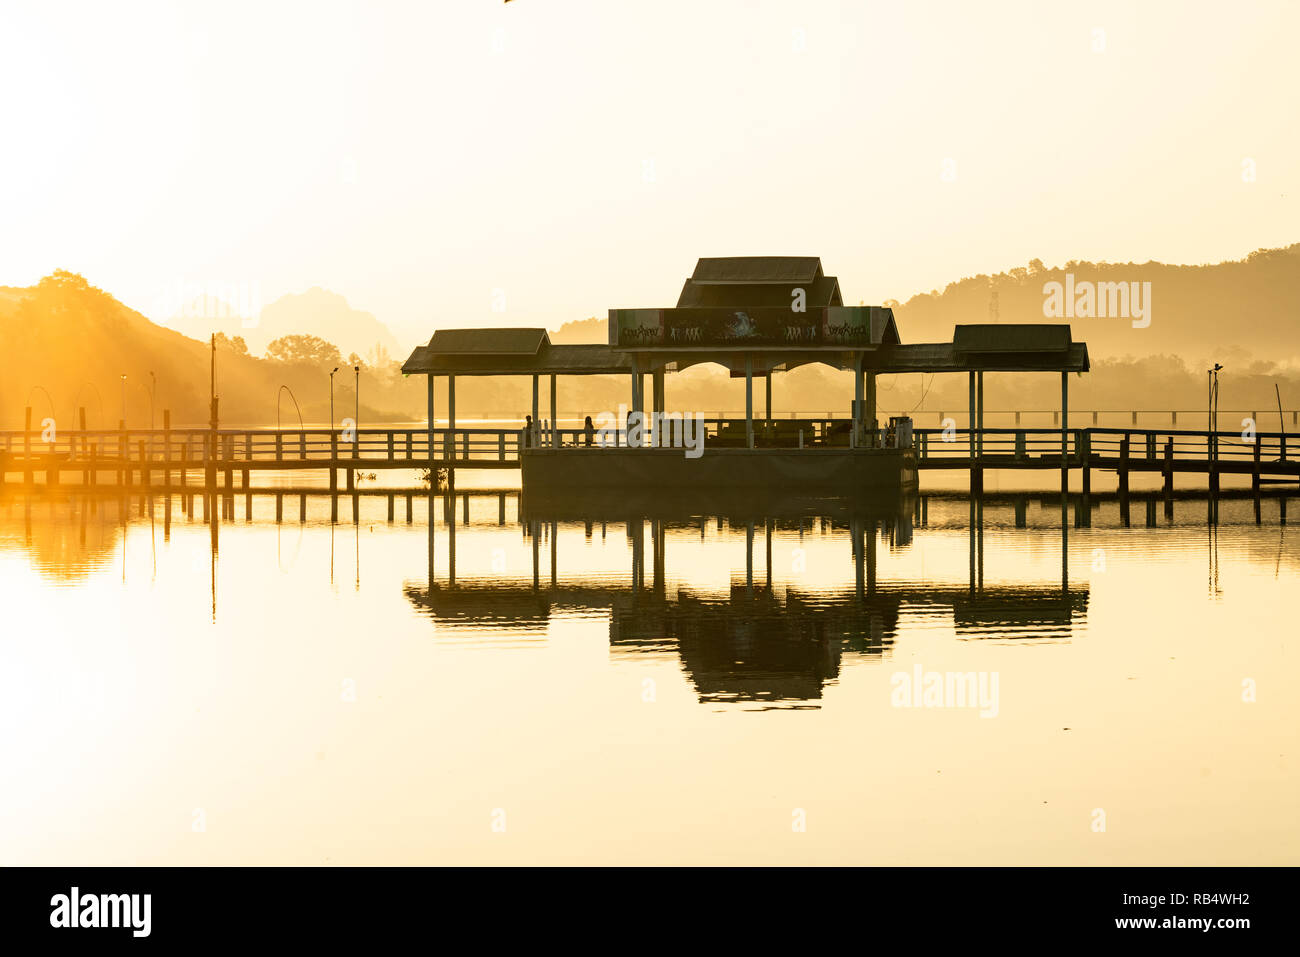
x=432, y=451
x=532, y=435
x=626, y=424
x=657, y=385
x=555, y=428
x=856, y=435
x=869, y=409
x=976, y=473
x=451, y=417
x=1065, y=432
x=749, y=401
x=979, y=410
x=767, y=405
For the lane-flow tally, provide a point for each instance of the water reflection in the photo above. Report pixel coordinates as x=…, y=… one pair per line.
x=765, y=641
x=772, y=635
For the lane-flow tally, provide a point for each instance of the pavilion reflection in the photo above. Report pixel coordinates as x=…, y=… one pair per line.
x=765, y=642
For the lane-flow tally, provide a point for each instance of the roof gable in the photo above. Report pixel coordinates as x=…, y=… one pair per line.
x=757, y=269
x=488, y=342
x=1011, y=337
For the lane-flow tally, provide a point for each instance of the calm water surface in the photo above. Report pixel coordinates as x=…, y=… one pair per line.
x=594, y=682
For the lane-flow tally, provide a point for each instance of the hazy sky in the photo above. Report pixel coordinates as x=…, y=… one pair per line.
x=580, y=154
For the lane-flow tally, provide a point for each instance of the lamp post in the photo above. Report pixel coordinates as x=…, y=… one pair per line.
x=356, y=405
x=123, y=377
x=1212, y=412
x=153, y=387
x=332, y=371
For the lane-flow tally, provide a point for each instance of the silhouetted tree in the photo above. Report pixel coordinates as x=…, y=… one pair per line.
x=308, y=350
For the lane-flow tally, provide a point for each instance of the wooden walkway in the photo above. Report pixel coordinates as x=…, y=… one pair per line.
x=180, y=457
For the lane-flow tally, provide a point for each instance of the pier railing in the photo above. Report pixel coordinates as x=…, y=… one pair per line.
x=244, y=450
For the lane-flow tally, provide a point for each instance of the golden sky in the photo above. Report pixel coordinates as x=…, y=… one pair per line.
x=580, y=154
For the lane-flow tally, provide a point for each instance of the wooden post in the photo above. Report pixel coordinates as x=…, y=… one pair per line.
x=1123, y=466
x=167, y=448
x=1169, y=466
x=144, y=466
x=1084, y=438
x=555, y=427
x=228, y=454
x=85, y=442
x=124, y=455
x=248, y=456
x=334, y=460
x=1254, y=471
x=27, y=446
x=185, y=461
x=94, y=454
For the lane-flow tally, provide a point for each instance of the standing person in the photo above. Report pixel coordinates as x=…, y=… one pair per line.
x=528, y=432
x=588, y=431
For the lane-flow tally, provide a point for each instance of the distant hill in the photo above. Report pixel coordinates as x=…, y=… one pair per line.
x=318, y=312
x=581, y=332
x=73, y=342
x=1247, y=308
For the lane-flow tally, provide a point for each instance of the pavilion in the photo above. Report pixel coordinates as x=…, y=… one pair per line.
x=755, y=316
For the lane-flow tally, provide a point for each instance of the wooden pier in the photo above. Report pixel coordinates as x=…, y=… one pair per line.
x=177, y=458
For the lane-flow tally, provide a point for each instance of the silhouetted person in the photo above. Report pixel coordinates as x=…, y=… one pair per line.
x=528, y=431
x=588, y=431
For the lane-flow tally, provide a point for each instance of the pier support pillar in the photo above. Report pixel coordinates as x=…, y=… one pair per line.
x=555, y=427
x=856, y=435
x=869, y=406
x=451, y=417
x=533, y=435
x=767, y=405
x=976, y=473
x=749, y=401
x=1065, y=432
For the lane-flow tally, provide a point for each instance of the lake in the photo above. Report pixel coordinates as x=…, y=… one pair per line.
x=917, y=680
